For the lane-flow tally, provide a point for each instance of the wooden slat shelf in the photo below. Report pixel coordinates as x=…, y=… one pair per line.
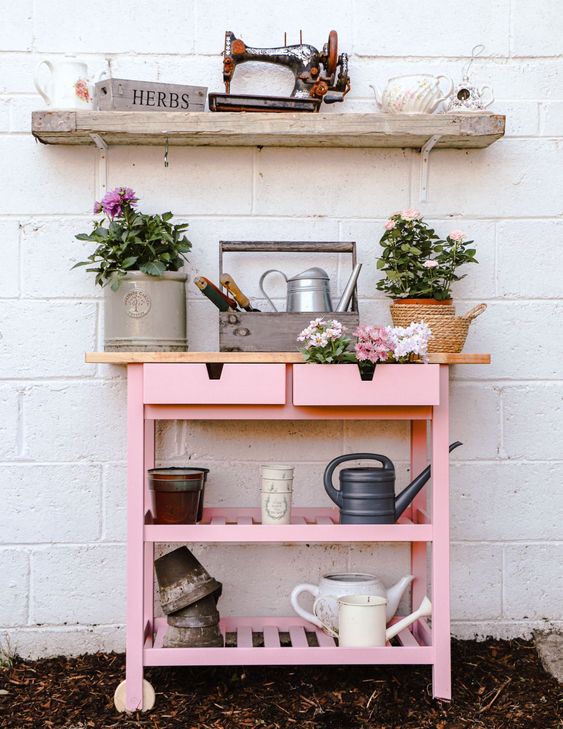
x=308, y=524
x=124, y=358
x=262, y=641
x=250, y=129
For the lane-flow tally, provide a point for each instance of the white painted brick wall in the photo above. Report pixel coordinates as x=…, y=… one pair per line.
x=62, y=432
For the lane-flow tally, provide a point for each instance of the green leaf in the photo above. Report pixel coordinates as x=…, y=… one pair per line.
x=128, y=262
x=153, y=268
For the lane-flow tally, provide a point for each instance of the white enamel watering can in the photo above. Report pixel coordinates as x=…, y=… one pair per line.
x=361, y=621
x=68, y=85
x=332, y=587
x=416, y=94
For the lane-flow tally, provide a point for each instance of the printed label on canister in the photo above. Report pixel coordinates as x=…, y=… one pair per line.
x=275, y=508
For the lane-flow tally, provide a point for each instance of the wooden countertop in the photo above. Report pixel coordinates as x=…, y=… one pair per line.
x=250, y=357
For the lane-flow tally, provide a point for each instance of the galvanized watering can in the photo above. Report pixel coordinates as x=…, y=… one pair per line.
x=308, y=291
x=367, y=495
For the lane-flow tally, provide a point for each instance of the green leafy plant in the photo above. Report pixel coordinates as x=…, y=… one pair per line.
x=325, y=343
x=417, y=264
x=132, y=241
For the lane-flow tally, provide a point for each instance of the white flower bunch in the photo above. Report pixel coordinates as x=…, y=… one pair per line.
x=320, y=332
x=325, y=343
x=410, y=341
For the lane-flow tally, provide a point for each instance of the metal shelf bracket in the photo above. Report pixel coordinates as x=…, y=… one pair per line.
x=424, y=163
x=102, y=169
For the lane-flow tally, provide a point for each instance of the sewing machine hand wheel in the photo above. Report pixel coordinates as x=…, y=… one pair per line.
x=332, y=52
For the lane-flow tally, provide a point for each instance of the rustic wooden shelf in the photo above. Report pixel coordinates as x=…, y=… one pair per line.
x=250, y=129
x=250, y=357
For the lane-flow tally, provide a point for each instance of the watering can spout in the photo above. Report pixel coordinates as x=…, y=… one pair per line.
x=407, y=494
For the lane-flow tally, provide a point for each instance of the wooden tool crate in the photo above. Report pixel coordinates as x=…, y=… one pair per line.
x=272, y=331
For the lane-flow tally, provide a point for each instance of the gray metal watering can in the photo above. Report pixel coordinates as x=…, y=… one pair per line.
x=307, y=291
x=367, y=495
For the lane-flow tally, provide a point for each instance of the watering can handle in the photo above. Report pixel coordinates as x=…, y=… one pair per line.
x=262, y=277
x=335, y=494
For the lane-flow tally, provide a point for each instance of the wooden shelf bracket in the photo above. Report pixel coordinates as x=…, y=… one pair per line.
x=424, y=164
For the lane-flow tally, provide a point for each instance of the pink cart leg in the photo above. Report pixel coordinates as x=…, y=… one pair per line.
x=135, y=523
x=441, y=675
x=149, y=546
x=419, y=461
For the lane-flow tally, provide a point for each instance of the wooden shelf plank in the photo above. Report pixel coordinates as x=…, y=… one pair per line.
x=309, y=524
x=124, y=358
x=250, y=129
x=272, y=653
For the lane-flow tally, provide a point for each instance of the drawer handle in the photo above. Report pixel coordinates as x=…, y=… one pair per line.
x=214, y=370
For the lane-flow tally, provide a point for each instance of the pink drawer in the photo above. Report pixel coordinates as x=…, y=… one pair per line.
x=190, y=384
x=409, y=384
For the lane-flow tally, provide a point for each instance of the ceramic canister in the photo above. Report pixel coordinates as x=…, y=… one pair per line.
x=276, y=486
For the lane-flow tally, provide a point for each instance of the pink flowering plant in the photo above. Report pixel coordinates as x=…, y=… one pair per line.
x=391, y=344
x=128, y=240
x=417, y=264
x=326, y=343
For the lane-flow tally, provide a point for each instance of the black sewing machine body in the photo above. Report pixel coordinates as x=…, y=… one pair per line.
x=316, y=74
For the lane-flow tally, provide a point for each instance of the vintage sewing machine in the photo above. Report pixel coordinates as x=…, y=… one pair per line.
x=317, y=74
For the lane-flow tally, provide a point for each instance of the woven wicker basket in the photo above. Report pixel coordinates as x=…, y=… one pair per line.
x=449, y=332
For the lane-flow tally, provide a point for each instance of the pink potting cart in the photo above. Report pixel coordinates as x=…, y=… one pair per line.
x=256, y=386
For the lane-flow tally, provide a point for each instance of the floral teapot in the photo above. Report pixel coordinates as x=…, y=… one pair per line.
x=467, y=97
x=416, y=94
x=68, y=85
x=331, y=587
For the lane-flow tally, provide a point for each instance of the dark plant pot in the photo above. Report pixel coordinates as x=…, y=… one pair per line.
x=177, y=494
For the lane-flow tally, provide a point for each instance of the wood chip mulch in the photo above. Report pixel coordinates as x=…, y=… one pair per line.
x=496, y=685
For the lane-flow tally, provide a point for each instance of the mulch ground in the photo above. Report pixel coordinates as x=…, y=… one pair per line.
x=496, y=684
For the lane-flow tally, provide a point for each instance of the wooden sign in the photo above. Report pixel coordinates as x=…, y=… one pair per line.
x=116, y=94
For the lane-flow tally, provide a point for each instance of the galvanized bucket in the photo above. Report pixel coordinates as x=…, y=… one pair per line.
x=146, y=314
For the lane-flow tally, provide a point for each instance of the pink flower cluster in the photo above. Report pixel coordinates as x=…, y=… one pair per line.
x=373, y=345
x=113, y=202
x=409, y=215
x=392, y=344
x=458, y=235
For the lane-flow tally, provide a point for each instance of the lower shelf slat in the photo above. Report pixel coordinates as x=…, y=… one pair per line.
x=281, y=641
